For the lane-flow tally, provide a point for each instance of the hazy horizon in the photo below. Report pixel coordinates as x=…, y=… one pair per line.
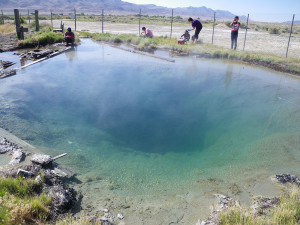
x=260, y=10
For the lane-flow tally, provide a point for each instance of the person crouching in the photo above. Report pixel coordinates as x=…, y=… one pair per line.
x=69, y=37
x=147, y=32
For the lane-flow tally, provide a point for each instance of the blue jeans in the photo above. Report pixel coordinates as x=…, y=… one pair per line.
x=234, y=37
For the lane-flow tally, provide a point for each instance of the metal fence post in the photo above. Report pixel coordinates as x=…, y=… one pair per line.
x=213, y=34
x=51, y=19
x=2, y=17
x=102, y=21
x=246, y=33
x=37, y=25
x=287, y=50
x=75, y=19
x=140, y=21
x=172, y=23
x=28, y=17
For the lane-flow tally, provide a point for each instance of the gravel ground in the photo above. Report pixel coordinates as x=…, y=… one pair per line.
x=260, y=42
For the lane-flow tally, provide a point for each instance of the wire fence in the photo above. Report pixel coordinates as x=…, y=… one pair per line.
x=281, y=39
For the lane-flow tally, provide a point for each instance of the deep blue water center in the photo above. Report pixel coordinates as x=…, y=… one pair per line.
x=148, y=118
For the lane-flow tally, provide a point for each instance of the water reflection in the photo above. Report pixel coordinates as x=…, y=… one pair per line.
x=228, y=76
x=71, y=54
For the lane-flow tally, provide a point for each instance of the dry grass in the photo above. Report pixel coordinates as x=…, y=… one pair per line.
x=286, y=212
x=20, y=203
x=7, y=28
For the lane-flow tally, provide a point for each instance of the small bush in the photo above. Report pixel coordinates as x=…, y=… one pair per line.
x=274, y=30
x=22, y=20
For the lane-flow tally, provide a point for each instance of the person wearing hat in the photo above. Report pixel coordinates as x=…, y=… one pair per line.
x=69, y=37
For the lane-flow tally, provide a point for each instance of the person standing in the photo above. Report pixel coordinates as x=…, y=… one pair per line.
x=235, y=26
x=197, y=26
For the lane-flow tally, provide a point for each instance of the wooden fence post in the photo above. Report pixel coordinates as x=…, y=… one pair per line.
x=37, y=25
x=213, y=34
x=246, y=33
x=172, y=23
x=140, y=21
x=28, y=17
x=75, y=19
x=17, y=22
x=2, y=17
x=287, y=50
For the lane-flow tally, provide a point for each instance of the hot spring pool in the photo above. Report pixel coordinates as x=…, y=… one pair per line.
x=149, y=137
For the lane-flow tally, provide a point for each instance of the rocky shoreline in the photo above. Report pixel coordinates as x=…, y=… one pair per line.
x=52, y=179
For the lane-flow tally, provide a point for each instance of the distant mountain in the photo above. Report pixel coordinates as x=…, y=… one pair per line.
x=296, y=21
x=114, y=7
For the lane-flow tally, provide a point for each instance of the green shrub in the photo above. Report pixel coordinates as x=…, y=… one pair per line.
x=22, y=20
x=274, y=30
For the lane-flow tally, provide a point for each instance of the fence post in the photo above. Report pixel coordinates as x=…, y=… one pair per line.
x=37, y=25
x=75, y=18
x=246, y=33
x=28, y=17
x=172, y=23
x=2, y=17
x=287, y=50
x=102, y=21
x=213, y=34
x=140, y=21
x=51, y=19
x=17, y=22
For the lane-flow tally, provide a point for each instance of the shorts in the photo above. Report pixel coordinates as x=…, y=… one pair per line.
x=197, y=32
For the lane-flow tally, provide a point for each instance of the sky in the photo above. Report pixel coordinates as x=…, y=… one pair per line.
x=260, y=10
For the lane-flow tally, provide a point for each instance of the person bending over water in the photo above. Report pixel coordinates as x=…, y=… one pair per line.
x=69, y=37
x=197, y=26
x=147, y=33
x=235, y=26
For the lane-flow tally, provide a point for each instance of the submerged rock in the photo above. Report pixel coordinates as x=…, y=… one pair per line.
x=42, y=160
x=120, y=216
x=287, y=178
x=17, y=157
x=6, y=146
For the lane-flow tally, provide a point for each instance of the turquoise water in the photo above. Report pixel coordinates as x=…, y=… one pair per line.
x=149, y=126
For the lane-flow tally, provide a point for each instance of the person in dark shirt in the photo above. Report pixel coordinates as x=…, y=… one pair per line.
x=69, y=36
x=235, y=26
x=197, y=26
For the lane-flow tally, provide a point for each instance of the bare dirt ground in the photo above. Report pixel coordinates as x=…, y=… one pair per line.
x=259, y=42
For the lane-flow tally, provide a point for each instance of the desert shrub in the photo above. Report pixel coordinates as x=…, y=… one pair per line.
x=274, y=30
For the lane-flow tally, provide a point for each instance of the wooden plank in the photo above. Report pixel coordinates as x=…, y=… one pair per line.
x=59, y=156
x=144, y=53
